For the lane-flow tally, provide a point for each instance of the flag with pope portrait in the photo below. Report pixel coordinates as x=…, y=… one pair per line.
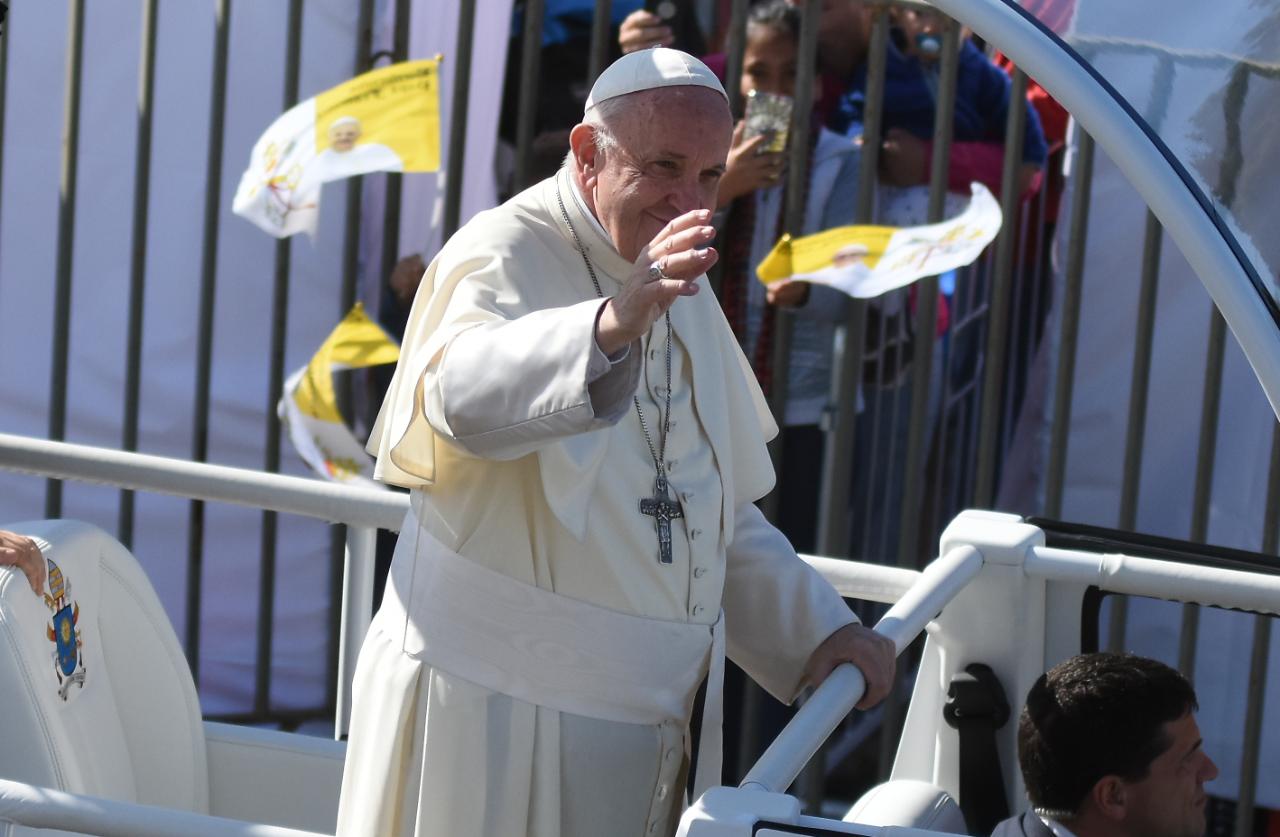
x=384, y=120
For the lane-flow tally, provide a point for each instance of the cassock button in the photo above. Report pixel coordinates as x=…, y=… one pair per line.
x=699, y=572
x=697, y=610
x=672, y=463
x=694, y=533
x=662, y=791
x=686, y=495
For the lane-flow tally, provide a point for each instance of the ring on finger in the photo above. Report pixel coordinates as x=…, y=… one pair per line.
x=656, y=272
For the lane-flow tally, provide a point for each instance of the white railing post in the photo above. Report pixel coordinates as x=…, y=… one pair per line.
x=843, y=688
x=357, y=613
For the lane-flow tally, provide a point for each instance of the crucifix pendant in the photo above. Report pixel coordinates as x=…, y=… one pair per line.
x=663, y=510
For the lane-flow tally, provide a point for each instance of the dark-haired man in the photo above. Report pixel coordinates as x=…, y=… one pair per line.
x=1109, y=747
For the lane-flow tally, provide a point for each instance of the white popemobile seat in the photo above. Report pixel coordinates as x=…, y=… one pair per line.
x=908, y=802
x=96, y=699
x=117, y=716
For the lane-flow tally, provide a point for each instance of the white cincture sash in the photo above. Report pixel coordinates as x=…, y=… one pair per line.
x=550, y=650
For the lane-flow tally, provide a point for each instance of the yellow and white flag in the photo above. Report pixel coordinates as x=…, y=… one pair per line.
x=384, y=120
x=867, y=261
x=309, y=407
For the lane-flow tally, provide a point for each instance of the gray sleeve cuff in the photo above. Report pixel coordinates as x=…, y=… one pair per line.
x=612, y=381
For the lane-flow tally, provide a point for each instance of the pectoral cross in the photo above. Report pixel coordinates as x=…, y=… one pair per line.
x=663, y=510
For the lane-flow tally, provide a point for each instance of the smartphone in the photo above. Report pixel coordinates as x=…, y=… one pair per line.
x=670, y=11
x=768, y=114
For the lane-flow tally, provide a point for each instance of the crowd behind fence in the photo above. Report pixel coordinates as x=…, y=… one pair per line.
x=937, y=440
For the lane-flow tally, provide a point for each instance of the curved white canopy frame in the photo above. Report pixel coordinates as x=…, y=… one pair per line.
x=1187, y=214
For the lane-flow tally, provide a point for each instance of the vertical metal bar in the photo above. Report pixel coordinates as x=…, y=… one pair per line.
x=352, y=216
x=600, y=30
x=458, y=117
x=1228, y=182
x=1233, y=156
x=138, y=258
x=346, y=394
x=909, y=527
x=1157, y=112
x=204, y=336
x=886, y=548
x=1258, y=662
x=813, y=779
x=66, y=245
x=395, y=180
x=837, y=458
x=1038, y=280
x=927, y=303
x=1017, y=324
x=275, y=386
x=355, y=185
x=870, y=467
x=1144, y=332
x=873, y=115
x=1205, y=457
x=530, y=67
x=797, y=191
x=735, y=52
x=1253, y=713
x=735, y=49
x=5, y=34
x=998, y=312
x=1077, y=237
x=357, y=613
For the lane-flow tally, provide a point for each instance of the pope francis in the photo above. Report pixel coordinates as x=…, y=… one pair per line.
x=584, y=442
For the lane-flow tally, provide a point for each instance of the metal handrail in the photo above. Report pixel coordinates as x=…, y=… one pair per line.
x=1137, y=576
x=364, y=510
x=363, y=507
x=843, y=688
x=40, y=807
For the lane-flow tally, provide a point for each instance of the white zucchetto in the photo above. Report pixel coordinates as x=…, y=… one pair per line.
x=649, y=69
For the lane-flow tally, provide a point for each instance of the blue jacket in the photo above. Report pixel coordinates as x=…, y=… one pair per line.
x=982, y=102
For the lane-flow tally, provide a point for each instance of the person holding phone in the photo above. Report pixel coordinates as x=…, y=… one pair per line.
x=753, y=200
x=661, y=23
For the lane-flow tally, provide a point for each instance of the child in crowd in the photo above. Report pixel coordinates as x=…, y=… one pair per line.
x=977, y=154
x=754, y=201
x=910, y=99
x=753, y=204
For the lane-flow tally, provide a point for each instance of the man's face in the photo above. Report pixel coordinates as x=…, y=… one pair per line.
x=343, y=136
x=1170, y=801
x=672, y=146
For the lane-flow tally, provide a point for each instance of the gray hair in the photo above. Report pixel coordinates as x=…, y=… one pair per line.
x=602, y=118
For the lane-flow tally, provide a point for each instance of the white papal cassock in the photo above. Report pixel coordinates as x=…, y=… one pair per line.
x=523, y=675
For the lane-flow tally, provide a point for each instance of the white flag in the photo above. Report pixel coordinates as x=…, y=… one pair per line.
x=866, y=261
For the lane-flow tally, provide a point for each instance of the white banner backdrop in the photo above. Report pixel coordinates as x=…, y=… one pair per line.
x=37, y=37
x=1134, y=45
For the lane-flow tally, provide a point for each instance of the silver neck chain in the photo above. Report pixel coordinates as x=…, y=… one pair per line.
x=658, y=453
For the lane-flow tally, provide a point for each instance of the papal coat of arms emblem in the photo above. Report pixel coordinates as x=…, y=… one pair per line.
x=68, y=663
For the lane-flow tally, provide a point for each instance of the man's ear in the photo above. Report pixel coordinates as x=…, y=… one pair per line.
x=1109, y=797
x=586, y=157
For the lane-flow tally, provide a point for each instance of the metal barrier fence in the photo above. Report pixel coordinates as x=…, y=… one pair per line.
x=947, y=419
